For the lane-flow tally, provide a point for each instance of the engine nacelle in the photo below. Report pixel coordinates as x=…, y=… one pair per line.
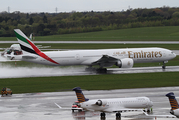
x=175, y=112
x=125, y=63
x=100, y=102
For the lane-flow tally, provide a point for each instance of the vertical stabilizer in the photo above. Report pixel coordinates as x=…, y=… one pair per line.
x=79, y=94
x=173, y=101
x=26, y=44
x=29, y=47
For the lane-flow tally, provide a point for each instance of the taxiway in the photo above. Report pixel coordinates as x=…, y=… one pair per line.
x=40, y=106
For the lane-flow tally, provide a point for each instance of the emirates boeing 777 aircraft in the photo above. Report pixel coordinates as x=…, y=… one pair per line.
x=123, y=58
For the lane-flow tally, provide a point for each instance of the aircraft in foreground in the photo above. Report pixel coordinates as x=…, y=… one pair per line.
x=117, y=105
x=123, y=58
x=174, y=104
x=174, y=108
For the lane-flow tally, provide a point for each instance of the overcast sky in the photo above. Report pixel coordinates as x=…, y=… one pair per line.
x=50, y=6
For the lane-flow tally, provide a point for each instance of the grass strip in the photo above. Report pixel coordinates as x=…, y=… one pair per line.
x=164, y=33
x=91, y=82
x=100, y=46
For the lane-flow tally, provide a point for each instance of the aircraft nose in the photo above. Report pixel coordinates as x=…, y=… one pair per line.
x=174, y=55
x=150, y=104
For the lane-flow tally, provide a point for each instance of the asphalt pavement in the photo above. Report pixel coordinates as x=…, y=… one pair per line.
x=40, y=106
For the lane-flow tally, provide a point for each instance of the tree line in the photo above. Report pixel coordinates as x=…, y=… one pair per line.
x=42, y=24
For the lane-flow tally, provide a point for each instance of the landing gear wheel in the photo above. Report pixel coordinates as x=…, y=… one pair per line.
x=148, y=111
x=90, y=69
x=101, y=70
x=163, y=67
x=118, y=116
x=103, y=115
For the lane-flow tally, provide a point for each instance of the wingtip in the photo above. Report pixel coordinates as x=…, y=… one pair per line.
x=58, y=105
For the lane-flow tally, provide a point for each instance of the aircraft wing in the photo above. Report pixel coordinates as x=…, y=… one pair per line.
x=122, y=110
x=159, y=116
x=105, y=59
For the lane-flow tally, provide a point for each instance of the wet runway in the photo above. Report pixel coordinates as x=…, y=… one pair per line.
x=40, y=106
x=21, y=72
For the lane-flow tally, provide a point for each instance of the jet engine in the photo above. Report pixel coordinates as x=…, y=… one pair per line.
x=125, y=63
x=175, y=112
x=100, y=102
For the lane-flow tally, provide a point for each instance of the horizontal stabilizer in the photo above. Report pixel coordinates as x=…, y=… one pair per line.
x=67, y=108
x=28, y=57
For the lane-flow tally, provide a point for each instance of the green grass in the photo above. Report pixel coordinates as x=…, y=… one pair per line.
x=165, y=33
x=100, y=46
x=91, y=82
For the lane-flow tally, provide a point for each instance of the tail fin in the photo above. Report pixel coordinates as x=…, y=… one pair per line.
x=28, y=46
x=173, y=101
x=79, y=94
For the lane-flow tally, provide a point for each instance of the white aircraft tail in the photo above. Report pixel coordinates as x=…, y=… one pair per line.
x=79, y=94
x=26, y=44
x=29, y=47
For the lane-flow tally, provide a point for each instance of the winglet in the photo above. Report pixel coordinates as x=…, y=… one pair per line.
x=58, y=106
x=79, y=94
x=173, y=101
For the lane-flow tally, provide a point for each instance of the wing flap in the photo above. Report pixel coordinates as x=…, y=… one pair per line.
x=105, y=61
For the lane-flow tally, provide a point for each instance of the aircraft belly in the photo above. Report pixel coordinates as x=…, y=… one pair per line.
x=140, y=103
x=147, y=60
x=137, y=105
x=68, y=61
x=97, y=108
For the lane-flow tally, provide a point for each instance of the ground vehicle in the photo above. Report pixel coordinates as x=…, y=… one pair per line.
x=75, y=105
x=6, y=91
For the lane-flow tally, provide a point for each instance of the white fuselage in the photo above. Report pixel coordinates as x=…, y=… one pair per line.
x=118, y=104
x=86, y=57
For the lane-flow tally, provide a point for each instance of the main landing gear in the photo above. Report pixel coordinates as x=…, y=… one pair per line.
x=118, y=116
x=149, y=110
x=101, y=70
x=103, y=116
x=98, y=70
